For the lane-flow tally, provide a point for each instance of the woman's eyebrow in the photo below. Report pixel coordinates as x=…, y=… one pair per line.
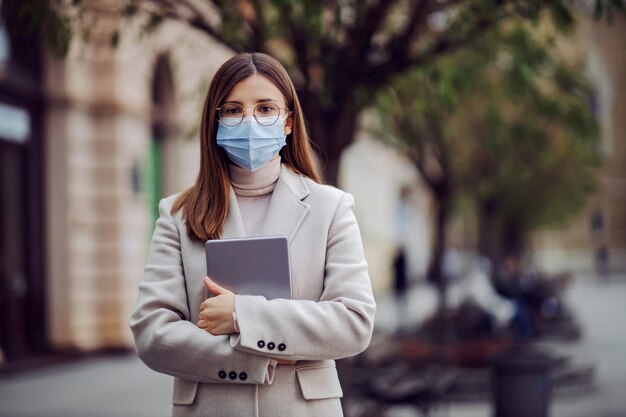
x=261, y=100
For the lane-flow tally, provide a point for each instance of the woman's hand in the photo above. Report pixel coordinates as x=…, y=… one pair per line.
x=216, y=313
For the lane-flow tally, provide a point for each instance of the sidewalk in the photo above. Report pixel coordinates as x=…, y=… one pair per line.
x=114, y=386
x=121, y=386
x=600, y=309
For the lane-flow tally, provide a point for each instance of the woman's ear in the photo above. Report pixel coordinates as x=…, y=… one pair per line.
x=288, y=124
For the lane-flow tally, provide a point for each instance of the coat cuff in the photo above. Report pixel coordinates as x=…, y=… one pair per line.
x=270, y=367
x=253, y=337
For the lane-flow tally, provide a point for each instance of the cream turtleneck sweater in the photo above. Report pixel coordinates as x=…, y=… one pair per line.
x=254, y=192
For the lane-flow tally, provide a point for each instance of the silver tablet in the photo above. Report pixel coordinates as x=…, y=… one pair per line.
x=251, y=266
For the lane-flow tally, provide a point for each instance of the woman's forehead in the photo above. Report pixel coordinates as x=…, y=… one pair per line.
x=255, y=89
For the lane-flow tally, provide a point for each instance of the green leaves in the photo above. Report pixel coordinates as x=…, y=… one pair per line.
x=514, y=126
x=34, y=20
x=562, y=16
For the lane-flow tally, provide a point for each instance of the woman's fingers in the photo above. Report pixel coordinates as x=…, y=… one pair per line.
x=216, y=313
x=212, y=328
x=214, y=288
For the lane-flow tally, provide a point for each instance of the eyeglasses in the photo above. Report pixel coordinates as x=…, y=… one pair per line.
x=265, y=113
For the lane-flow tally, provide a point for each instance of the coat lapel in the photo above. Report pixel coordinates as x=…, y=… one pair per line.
x=233, y=226
x=286, y=210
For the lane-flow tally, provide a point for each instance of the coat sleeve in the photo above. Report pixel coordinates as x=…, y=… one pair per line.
x=339, y=325
x=166, y=340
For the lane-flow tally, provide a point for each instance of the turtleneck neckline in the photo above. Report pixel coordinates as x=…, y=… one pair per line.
x=256, y=183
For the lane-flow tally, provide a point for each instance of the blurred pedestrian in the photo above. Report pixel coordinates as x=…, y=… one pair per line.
x=601, y=252
x=602, y=262
x=513, y=282
x=400, y=286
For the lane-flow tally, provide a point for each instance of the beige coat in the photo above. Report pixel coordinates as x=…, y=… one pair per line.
x=330, y=317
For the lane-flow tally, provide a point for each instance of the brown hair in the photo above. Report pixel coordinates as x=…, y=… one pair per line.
x=205, y=205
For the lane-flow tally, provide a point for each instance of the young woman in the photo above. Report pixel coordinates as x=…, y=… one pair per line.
x=241, y=355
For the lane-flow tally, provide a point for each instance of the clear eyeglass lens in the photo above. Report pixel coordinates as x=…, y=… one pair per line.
x=266, y=114
x=232, y=114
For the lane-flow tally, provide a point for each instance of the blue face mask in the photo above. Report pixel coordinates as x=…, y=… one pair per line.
x=251, y=144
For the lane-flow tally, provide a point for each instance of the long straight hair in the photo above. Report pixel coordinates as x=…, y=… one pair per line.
x=205, y=205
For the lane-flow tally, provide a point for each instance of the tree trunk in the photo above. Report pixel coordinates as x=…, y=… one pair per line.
x=513, y=237
x=332, y=129
x=498, y=237
x=435, y=271
x=488, y=232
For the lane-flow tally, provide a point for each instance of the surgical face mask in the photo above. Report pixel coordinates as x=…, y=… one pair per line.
x=251, y=144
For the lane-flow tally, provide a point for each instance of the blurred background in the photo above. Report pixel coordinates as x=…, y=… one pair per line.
x=484, y=142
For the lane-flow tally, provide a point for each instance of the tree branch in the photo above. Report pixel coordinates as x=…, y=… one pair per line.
x=378, y=75
x=361, y=35
x=258, y=27
x=299, y=41
x=420, y=164
x=194, y=18
x=400, y=45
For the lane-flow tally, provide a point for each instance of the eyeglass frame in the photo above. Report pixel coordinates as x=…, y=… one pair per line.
x=287, y=113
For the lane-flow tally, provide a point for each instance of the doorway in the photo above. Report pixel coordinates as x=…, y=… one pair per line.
x=22, y=273
x=22, y=328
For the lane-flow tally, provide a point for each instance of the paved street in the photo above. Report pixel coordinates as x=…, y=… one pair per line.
x=113, y=386
x=600, y=309
x=120, y=386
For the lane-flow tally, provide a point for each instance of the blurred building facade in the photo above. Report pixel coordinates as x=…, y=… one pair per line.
x=22, y=203
x=89, y=144
x=392, y=205
x=595, y=241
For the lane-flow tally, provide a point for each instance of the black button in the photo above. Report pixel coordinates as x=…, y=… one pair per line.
x=282, y=347
x=271, y=345
x=243, y=376
x=232, y=375
x=260, y=344
x=222, y=374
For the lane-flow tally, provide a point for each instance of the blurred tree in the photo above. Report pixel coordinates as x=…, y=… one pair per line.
x=533, y=146
x=34, y=20
x=339, y=52
x=505, y=123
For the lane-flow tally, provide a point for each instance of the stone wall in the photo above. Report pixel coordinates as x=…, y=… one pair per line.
x=98, y=130
x=574, y=247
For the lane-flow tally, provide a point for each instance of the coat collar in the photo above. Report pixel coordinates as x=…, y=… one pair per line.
x=284, y=214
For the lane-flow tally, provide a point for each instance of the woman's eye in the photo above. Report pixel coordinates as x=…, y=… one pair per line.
x=266, y=109
x=233, y=110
